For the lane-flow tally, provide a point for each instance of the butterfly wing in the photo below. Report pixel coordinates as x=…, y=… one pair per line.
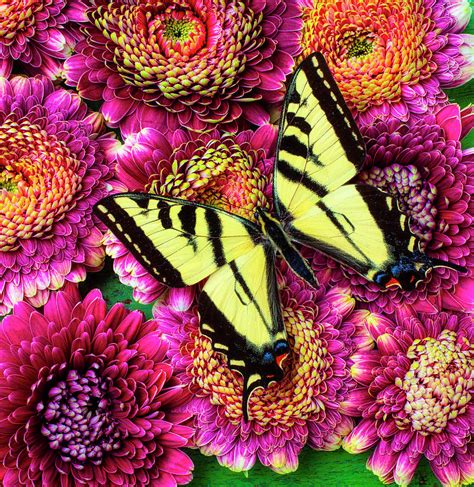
x=179, y=242
x=363, y=228
x=240, y=311
x=319, y=146
x=357, y=225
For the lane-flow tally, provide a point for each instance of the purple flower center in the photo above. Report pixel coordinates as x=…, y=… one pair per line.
x=78, y=420
x=438, y=383
x=414, y=195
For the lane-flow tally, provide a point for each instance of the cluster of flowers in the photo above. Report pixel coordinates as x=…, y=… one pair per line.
x=91, y=396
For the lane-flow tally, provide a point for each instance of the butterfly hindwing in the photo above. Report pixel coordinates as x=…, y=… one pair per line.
x=240, y=311
x=319, y=145
x=178, y=242
x=359, y=226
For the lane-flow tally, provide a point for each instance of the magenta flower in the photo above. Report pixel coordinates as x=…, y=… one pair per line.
x=230, y=172
x=55, y=164
x=391, y=58
x=38, y=34
x=303, y=408
x=193, y=64
x=91, y=400
x=422, y=164
x=415, y=397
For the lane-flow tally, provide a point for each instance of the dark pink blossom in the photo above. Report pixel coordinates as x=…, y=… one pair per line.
x=231, y=172
x=193, y=63
x=38, y=35
x=302, y=409
x=422, y=164
x=88, y=398
x=56, y=162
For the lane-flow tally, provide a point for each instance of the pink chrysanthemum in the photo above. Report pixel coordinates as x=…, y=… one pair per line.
x=301, y=409
x=415, y=395
x=391, y=57
x=230, y=172
x=190, y=63
x=423, y=165
x=54, y=166
x=38, y=34
x=88, y=399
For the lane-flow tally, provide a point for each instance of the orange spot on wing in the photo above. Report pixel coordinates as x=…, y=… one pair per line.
x=393, y=283
x=280, y=359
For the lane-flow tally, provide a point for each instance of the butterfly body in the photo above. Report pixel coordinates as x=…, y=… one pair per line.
x=319, y=151
x=275, y=233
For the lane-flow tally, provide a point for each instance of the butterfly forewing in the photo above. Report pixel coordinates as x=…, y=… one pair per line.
x=319, y=146
x=180, y=243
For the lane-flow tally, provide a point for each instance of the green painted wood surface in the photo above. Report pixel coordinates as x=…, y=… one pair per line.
x=316, y=469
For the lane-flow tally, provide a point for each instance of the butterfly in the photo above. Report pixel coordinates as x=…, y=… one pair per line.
x=319, y=150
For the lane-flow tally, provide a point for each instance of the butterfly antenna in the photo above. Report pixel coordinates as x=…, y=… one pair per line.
x=444, y=263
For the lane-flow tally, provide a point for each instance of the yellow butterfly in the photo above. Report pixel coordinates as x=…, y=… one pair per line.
x=319, y=150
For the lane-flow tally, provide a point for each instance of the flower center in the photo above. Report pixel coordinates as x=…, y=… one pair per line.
x=178, y=32
x=78, y=420
x=8, y=182
x=360, y=48
x=38, y=180
x=414, y=195
x=439, y=382
x=217, y=175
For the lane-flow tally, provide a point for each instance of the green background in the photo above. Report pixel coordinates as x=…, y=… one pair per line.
x=327, y=469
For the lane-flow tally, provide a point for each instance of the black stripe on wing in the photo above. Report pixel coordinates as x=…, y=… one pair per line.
x=323, y=95
x=255, y=361
x=324, y=88
x=383, y=211
x=125, y=228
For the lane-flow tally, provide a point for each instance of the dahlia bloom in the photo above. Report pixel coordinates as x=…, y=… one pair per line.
x=230, y=172
x=423, y=166
x=415, y=395
x=38, y=34
x=193, y=64
x=88, y=398
x=303, y=408
x=391, y=57
x=54, y=166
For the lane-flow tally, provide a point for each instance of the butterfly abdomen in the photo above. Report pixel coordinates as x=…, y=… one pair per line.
x=274, y=232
